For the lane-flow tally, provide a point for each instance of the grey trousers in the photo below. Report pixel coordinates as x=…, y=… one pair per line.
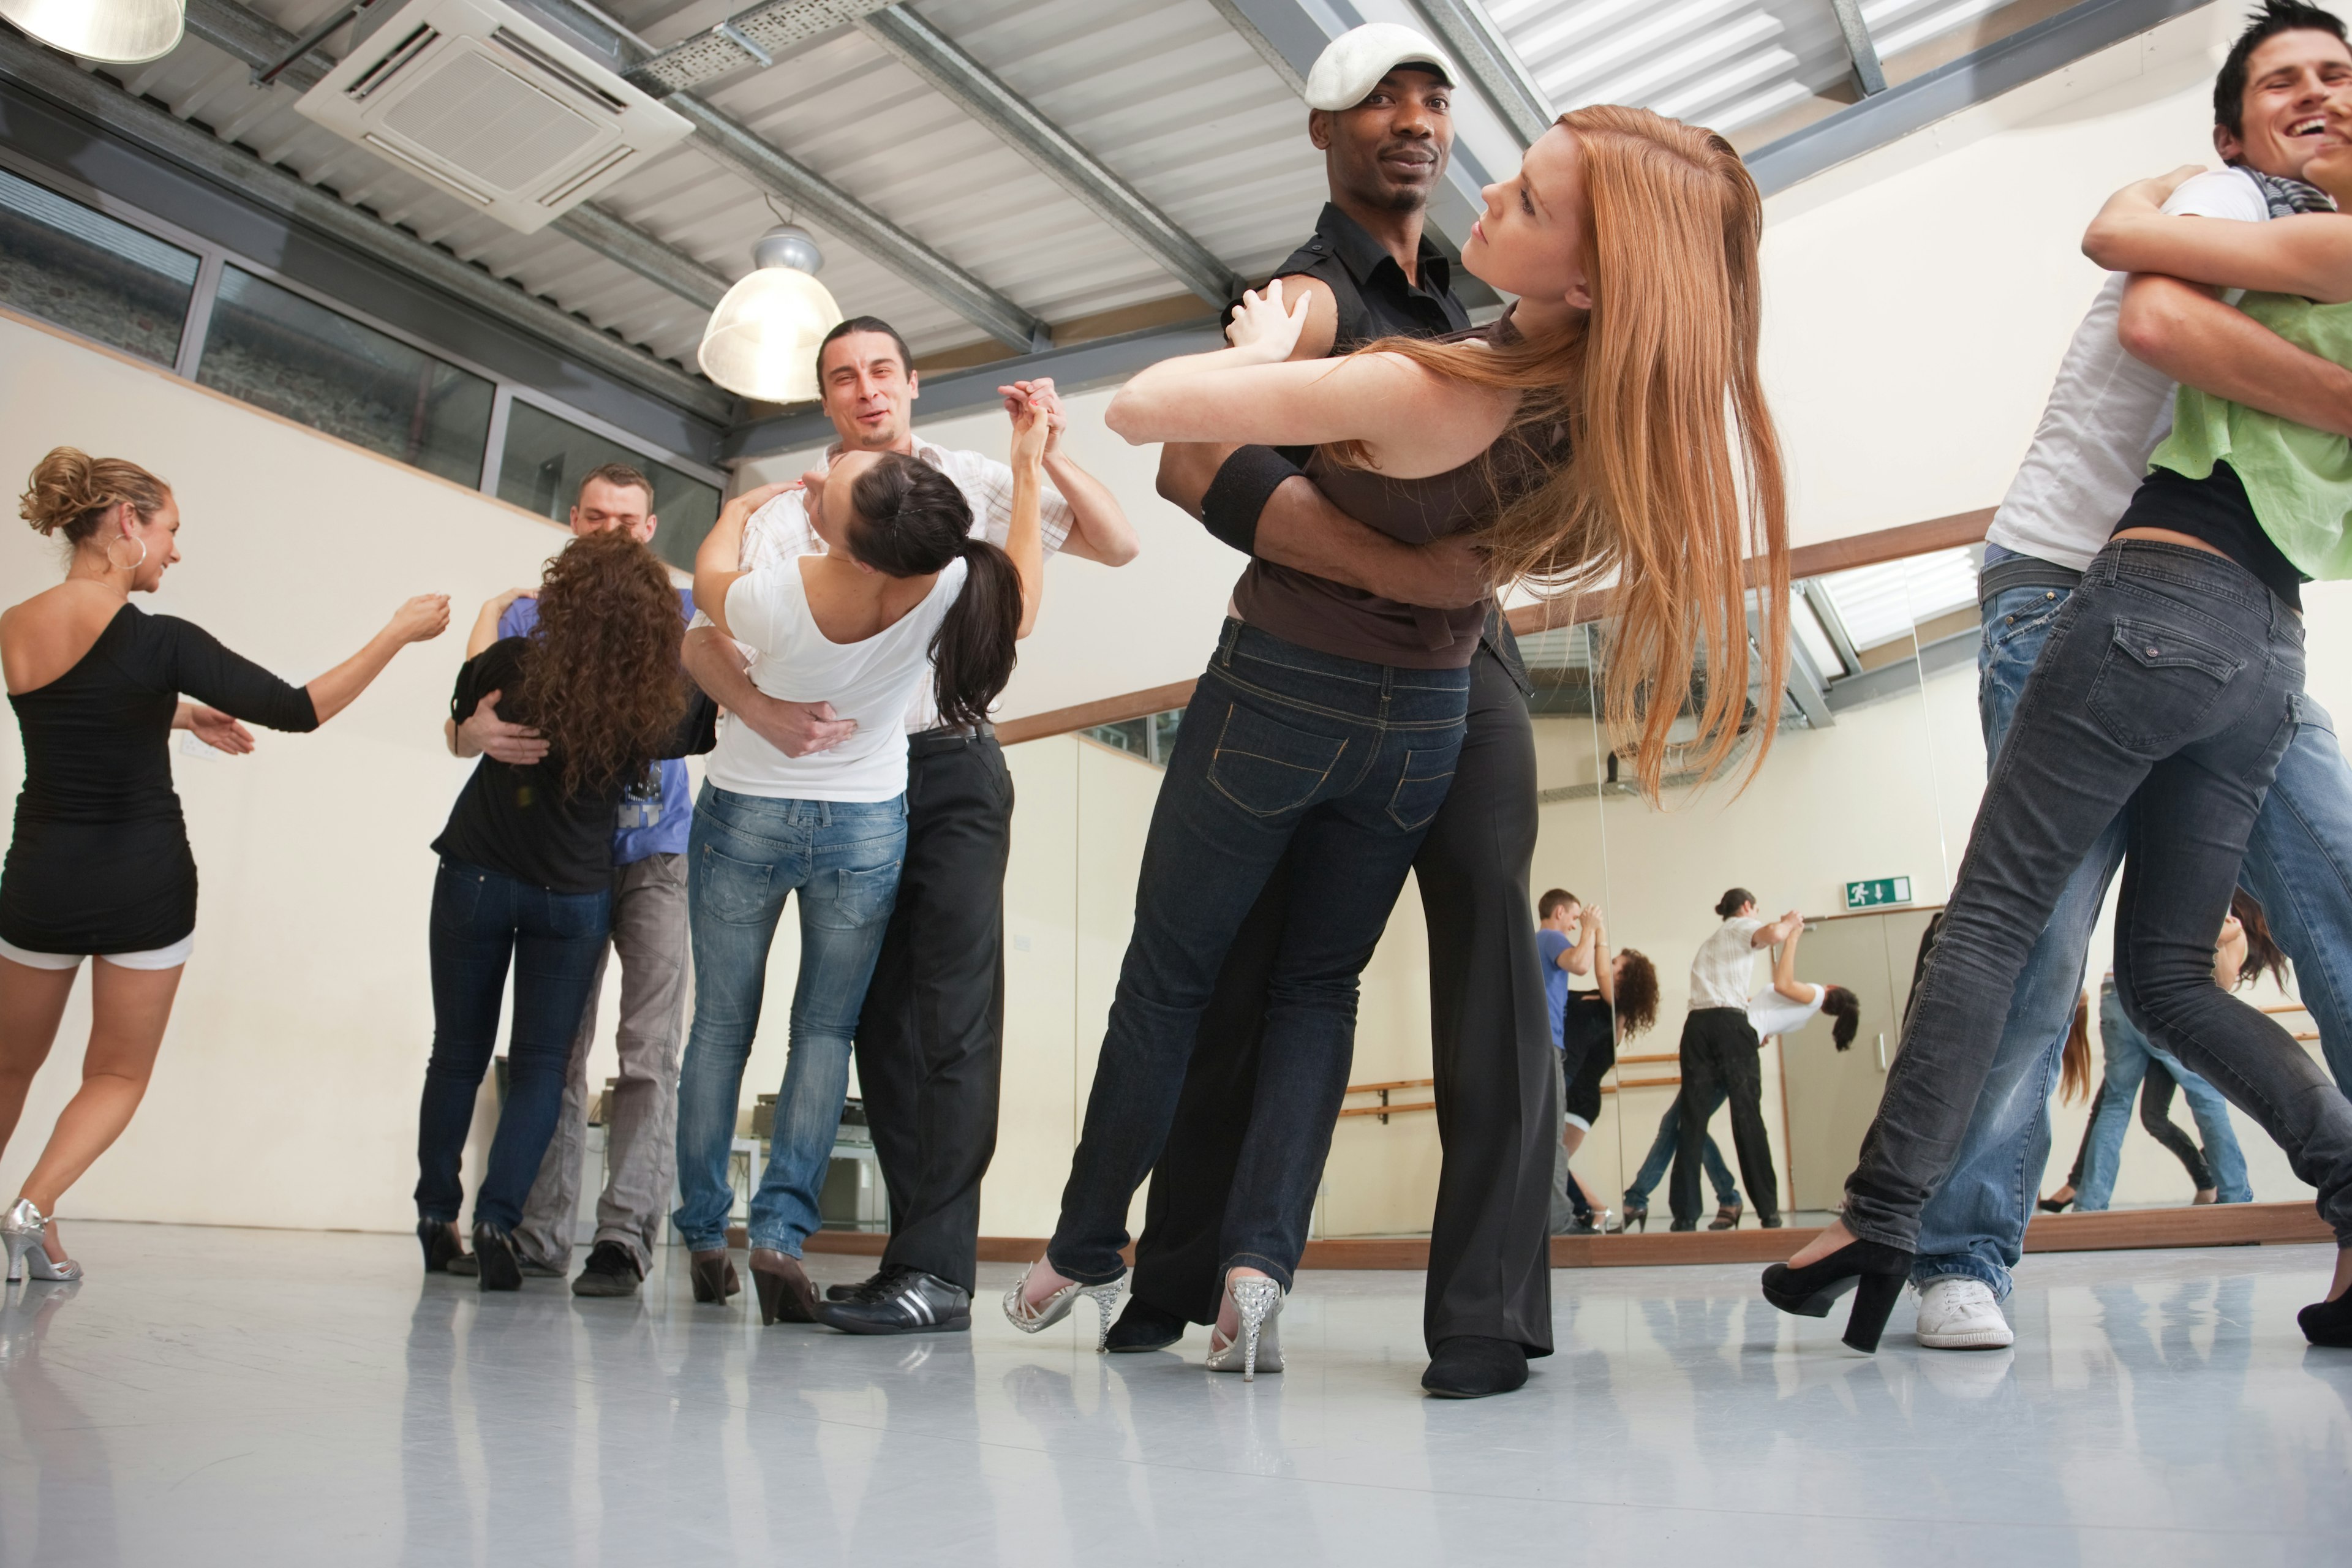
x=649, y=933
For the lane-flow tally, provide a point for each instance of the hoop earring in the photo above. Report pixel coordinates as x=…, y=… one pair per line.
x=117, y=565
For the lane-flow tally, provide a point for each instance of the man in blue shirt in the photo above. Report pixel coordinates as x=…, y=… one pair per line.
x=649, y=933
x=1559, y=916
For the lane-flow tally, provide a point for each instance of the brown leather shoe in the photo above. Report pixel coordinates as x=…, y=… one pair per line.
x=786, y=1294
x=713, y=1276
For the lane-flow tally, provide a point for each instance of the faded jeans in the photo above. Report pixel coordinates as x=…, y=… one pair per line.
x=2165, y=698
x=2299, y=864
x=747, y=853
x=1661, y=1159
x=2128, y=1052
x=649, y=936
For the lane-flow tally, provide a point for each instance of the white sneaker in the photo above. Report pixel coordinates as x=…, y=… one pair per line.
x=1958, y=1313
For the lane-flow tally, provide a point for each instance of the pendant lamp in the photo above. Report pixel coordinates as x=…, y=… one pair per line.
x=118, y=32
x=762, y=340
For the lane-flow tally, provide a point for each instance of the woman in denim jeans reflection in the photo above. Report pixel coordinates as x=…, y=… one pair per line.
x=2165, y=696
x=1332, y=718
x=903, y=593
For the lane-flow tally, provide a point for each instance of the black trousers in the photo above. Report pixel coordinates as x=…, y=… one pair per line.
x=930, y=1039
x=1719, y=1062
x=1490, y=1039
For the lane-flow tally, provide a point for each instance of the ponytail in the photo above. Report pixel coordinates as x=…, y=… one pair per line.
x=972, y=651
x=910, y=521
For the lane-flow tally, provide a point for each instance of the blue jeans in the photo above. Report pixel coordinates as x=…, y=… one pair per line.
x=2298, y=863
x=482, y=919
x=1662, y=1155
x=2128, y=1054
x=746, y=853
x=2165, y=698
x=1280, y=743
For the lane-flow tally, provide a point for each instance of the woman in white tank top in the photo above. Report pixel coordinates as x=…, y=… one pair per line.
x=904, y=593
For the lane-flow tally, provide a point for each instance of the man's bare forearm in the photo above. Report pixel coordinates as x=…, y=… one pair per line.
x=2184, y=332
x=718, y=667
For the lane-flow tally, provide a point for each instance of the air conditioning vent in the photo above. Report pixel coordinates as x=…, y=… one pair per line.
x=482, y=102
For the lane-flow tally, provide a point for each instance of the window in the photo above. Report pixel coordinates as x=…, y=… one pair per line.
x=546, y=457
x=1152, y=737
x=65, y=263
x=277, y=349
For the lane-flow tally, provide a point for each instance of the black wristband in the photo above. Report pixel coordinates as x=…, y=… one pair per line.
x=1246, y=482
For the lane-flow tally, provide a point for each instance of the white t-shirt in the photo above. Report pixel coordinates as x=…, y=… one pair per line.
x=780, y=533
x=870, y=681
x=1725, y=965
x=1771, y=1014
x=2107, y=412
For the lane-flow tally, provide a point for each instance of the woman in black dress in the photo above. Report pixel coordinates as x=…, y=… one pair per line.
x=99, y=866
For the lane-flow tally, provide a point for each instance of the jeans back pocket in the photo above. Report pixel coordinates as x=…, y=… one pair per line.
x=1422, y=788
x=726, y=889
x=2157, y=684
x=1266, y=766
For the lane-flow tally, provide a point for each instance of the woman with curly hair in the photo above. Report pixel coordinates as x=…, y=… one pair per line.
x=1623, y=1002
x=527, y=868
x=99, y=866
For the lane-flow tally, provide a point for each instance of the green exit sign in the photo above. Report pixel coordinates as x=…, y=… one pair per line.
x=1876, y=892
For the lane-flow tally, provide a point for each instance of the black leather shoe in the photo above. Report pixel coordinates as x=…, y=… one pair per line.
x=1143, y=1327
x=912, y=1303
x=1472, y=1366
x=501, y=1269
x=878, y=1281
x=609, y=1271
x=2328, y=1322
x=443, y=1250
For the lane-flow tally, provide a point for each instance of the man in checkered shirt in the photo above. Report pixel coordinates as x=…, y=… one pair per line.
x=929, y=1040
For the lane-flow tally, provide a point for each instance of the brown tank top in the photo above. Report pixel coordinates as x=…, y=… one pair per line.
x=1331, y=617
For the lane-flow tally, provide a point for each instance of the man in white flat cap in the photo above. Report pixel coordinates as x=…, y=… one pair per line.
x=1380, y=107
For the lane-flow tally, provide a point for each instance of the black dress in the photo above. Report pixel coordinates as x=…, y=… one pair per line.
x=99, y=862
x=1587, y=1050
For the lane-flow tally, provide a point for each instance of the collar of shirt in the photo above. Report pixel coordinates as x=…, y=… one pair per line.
x=1364, y=257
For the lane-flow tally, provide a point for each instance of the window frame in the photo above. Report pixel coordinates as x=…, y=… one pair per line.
x=212, y=258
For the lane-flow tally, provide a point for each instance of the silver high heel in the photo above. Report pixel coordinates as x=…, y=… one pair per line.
x=22, y=1228
x=1056, y=1307
x=1258, y=1300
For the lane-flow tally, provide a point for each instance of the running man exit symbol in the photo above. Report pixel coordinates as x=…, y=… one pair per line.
x=1876, y=892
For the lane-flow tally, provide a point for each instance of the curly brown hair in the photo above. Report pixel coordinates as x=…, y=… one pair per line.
x=1637, y=994
x=602, y=680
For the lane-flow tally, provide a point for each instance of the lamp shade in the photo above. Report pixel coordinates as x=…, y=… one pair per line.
x=120, y=31
x=762, y=341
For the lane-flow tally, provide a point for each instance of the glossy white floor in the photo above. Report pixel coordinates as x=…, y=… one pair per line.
x=212, y=1396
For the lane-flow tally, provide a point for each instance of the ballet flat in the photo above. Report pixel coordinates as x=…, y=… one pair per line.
x=22, y=1228
x=1258, y=1301
x=1056, y=1307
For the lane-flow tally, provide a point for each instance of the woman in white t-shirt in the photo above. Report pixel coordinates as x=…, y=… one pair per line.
x=903, y=594
x=1790, y=1003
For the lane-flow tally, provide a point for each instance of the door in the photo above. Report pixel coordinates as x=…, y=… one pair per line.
x=1833, y=1094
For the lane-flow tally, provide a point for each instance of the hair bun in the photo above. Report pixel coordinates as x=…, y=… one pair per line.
x=62, y=489
x=71, y=490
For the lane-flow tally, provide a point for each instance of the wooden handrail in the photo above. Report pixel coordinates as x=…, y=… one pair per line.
x=1401, y=1083
x=1385, y=1111
x=1652, y=1057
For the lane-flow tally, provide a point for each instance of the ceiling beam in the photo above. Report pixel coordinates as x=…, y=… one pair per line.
x=278, y=192
x=1464, y=26
x=249, y=37
x=762, y=162
x=1015, y=122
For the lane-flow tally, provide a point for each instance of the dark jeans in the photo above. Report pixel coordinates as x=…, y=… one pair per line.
x=1719, y=1052
x=480, y=921
x=1491, y=1055
x=2164, y=695
x=930, y=1040
x=1280, y=744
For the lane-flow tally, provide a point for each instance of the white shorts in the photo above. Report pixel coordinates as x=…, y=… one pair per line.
x=170, y=957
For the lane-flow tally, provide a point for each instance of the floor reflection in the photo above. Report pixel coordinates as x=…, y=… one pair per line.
x=323, y=1402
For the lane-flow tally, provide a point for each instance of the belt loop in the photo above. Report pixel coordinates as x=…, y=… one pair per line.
x=1226, y=636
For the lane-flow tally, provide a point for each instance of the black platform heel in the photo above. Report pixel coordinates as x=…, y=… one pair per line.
x=1808, y=1292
